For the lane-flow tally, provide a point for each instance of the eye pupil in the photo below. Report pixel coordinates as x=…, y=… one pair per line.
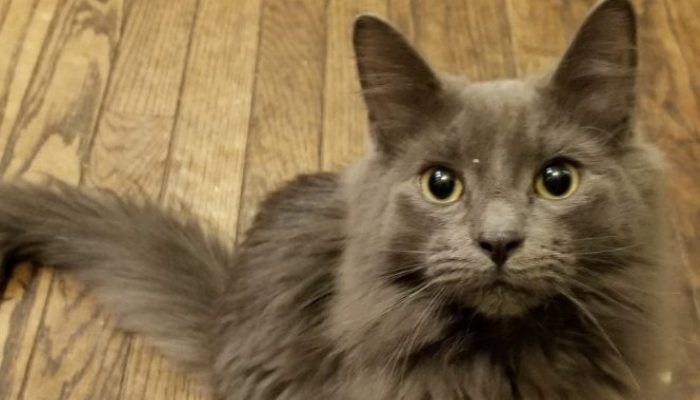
x=441, y=183
x=557, y=179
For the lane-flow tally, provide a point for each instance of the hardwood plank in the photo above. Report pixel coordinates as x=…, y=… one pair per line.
x=574, y=12
x=205, y=172
x=401, y=14
x=23, y=26
x=670, y=104
x=20, y=314
x=151, y=376
x=537, y=50
x=285, y=126
x=205, y=165
x=670, y=108
x=464, y=37
x=77, y=354
x=344, y=115
x=66, y=80
x=130, y=149
x=682, y=17
x=53, y=123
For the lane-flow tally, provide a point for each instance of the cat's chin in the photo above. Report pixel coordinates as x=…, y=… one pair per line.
x=502, y=301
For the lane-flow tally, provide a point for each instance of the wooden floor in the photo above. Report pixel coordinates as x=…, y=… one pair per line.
x=208, y=104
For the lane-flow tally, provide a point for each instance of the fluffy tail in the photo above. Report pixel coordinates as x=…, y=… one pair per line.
x=161, y=276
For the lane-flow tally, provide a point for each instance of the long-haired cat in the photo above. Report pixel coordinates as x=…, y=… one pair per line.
x=501, y=240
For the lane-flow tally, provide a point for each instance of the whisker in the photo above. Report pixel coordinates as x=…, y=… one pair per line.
x=404, y=251
x=422, y=319
x=605, y=251
x=603, y=333
x=592, y=238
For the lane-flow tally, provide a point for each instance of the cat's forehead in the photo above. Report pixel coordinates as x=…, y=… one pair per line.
x=497, y=106
x=498, y=95
x=510, y=119
x=489, y=117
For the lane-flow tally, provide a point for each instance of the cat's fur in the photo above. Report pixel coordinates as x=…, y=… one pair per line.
x=351, y=286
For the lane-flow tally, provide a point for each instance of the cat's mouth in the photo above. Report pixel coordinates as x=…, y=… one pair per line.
x=501, y=296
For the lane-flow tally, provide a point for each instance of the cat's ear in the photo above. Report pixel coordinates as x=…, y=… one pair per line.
x=595, y=79
x=399, y=87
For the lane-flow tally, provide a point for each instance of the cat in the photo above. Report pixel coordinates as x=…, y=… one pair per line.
x=500, y=240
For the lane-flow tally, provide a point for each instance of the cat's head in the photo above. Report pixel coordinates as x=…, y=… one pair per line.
x=497, y=196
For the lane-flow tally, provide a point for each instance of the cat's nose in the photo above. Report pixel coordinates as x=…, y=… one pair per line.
x=500, y=245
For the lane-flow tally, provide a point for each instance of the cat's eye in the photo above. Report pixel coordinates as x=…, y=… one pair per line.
x=441, y=185
x=558, y=180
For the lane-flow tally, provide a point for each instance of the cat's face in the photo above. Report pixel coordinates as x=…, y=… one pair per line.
x=503, y=204
x=500, y=196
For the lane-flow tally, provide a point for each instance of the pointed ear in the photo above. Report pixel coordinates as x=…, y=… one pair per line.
x=399, y=87
x=596, y=78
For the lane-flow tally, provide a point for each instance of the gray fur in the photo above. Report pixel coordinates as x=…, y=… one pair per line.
x=351, y=286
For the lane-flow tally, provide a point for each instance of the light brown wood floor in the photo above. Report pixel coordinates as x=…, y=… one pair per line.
x=208, y=104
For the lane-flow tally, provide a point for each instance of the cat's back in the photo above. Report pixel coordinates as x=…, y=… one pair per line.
x=298, y=208
x=275, y=309
x=298, y=230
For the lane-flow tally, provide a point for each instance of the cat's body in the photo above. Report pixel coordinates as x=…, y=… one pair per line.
x=353, y=286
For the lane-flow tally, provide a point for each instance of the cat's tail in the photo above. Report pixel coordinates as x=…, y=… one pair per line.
x=161, y=276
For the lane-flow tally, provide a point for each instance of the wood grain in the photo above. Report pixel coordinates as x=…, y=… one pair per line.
x=20, y=44
x=344, y=117
x=200, y=151
x=205, y=165
x=670, y=108
x=21, y=313
x=48, y=136
x=207, y=105
x=536, y=50
x=129, y=151
x=286, y=121
x=468, y=38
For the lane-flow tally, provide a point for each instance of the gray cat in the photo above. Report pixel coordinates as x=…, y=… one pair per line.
x=501, y=240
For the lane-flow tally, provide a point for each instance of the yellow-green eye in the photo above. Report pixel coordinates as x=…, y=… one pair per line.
x=558, y=180
x=441, y=185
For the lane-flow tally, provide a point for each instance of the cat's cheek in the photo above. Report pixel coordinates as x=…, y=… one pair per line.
x=591, y=215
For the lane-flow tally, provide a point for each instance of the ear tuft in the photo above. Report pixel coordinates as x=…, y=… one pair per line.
x=595, y=79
